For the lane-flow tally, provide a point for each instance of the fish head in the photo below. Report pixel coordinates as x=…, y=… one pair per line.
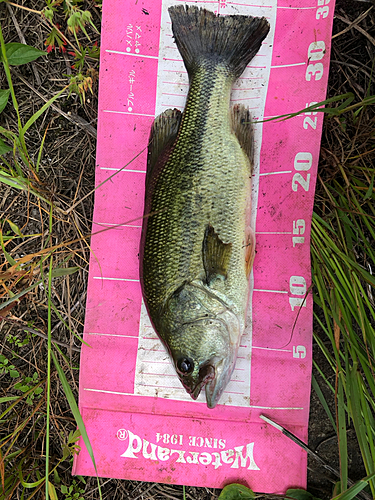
x=204, y=357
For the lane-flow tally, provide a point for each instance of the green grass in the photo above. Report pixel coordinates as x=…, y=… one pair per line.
x=343, y=264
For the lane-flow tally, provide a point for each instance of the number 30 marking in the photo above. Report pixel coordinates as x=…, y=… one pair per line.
x=315, y=71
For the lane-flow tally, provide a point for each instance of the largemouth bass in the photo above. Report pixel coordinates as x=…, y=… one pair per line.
x=197, y=246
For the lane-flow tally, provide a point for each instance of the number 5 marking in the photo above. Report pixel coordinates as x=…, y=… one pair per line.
x=299, y=351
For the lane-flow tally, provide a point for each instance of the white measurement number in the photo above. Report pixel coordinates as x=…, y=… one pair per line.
x=323, y=9
x=316, y=52
x=310, y=119
x=299, y=227
x=299, y=351
x=302, y=162
x=297, y=287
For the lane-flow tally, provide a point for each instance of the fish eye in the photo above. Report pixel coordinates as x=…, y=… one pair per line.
x=185, y=366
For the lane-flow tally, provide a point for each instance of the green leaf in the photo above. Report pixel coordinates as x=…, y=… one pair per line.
x=74, y=436
x=299, y=494
x=63, y=271
x=40, y=111
x=14, y=373
x=5, y=399
x=15, y=228
x=77, y=415
x=52, y=491
x=4, y=148
x=343, y=446
x=19, y=295
x=236, y=492
x=355, y=489
x=19, y=53
x=4, y=95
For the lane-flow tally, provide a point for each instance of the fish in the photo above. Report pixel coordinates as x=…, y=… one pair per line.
x=197, y=247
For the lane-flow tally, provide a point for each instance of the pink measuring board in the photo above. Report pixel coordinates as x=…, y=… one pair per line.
x=141, y=423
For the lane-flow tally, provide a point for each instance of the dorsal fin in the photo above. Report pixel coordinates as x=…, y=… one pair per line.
x=163, y=134
x=243, y=130
x=216, y=255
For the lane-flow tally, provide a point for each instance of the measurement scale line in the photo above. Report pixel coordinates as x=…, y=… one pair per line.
x=89, y=389
x=273, y=232
x=272, y=349
x=246, y=98
x=110, y=224
x=277, y=407
x=178, y=83
x=175, y=70
x=198, y=1
x=168, y=93
x=111, y=335
x=275, y=173
x=113, y=279
x=161, y=386
x=169, y=105
x=268, y=291
x=126, y=113
x=130, y=54
x=251, y=5
x=123, y=170
x=297, y=8
x=288, y=65
x=170, y=59
x=167, y=362
x=248, y=90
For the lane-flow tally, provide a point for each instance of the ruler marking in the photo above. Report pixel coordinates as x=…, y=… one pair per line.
x=126, y=113
x=114, y=279
x=288, y=65
x=130, y=54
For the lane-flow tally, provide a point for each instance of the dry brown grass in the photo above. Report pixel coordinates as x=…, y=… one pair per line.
x=66, y=177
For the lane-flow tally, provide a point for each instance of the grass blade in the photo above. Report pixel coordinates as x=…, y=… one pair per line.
x=76, y=414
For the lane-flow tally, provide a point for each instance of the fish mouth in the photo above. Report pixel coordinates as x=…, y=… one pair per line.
x=215, y=388
x=214, y=379
x=206, y=376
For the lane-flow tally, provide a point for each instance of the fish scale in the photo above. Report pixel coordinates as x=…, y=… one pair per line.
x=194, y=253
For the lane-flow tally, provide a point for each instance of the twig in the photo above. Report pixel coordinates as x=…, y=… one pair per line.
x=77, y=120
x=354, y=25
x=22, y=38
x=78, y=303
x=21, y=326
x=304, y=446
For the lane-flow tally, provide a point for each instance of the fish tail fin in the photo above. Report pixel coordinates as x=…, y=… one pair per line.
x=231, y=40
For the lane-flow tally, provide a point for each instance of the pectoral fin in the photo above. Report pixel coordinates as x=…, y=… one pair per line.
x=216, y=255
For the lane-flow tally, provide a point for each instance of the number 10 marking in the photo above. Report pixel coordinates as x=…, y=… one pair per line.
x=297, y=286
